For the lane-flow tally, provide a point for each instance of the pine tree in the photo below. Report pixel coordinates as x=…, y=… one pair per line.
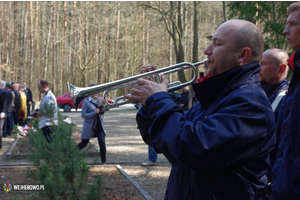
x=60, y=165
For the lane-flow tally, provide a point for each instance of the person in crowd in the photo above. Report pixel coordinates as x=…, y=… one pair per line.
x=152, y=157
x=23, y=109
x=273, y=74
x=286, y=173
x=47, y=112
x=273, y=77
x=29, y=98
x=9, y=122
x=92, y=109
x=186, y=98
x=17, y=103
x=3, y=108
x=219, y=148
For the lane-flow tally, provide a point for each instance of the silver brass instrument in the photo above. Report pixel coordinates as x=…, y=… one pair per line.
x=130, y=81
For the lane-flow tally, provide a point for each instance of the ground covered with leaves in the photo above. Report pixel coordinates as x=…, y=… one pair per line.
x=114, y=184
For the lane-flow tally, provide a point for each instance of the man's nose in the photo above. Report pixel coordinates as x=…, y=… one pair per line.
x=286, y=31
x=208, y=50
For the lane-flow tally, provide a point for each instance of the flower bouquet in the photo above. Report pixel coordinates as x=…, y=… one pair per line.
x=25, y=129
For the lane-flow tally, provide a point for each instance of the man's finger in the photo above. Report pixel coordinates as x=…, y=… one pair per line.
x=164, y=81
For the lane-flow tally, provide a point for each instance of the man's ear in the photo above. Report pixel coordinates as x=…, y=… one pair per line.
x=282, y=68
x=244, y=56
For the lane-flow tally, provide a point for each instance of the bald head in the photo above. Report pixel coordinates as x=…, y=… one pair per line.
x=273, y=66
x=248, y=34
x=235, y=43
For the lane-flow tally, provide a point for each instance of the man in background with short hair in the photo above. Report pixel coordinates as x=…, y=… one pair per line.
x=48, y=110
x=273, y=74
x=286, y=170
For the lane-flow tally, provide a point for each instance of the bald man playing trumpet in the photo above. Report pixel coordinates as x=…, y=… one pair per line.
x=219, y=148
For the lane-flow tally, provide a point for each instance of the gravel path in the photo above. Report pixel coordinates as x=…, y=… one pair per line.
x=125, y=147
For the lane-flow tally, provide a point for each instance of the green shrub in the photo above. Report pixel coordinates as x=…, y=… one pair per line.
x=60, y=165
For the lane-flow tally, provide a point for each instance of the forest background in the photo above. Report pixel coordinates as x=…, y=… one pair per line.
x=103, y=41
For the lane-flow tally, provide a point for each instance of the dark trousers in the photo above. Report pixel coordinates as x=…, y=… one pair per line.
x=9, y=124
x=16, y=117
x=46, y=130
x=21, y=121
x=28, y=110
x=101, y=142
x=1, y=130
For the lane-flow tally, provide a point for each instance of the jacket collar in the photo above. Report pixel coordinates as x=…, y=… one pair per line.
x=212, y=87
x=294, y=59
x=274, y=88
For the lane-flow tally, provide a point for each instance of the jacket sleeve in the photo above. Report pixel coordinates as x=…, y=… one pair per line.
x=3, y=102
x=9, y=96
x=86, y=111
x=101, y=101
x=231, y=134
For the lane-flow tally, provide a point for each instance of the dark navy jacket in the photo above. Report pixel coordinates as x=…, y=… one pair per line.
x=273, y=90
x=219, y=149
x=286, y=171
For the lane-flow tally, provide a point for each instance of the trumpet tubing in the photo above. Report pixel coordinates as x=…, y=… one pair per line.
x=129, y=81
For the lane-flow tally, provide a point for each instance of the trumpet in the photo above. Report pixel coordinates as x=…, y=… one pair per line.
x=154, y=75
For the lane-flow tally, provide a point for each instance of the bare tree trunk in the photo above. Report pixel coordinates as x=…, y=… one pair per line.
x=15, y=42
x=148, y=41
x=37, y=46
x=117, y=41
x=143, y=39
x=75, y=46
x=180, y=34
x=23, y=47
x=196, y=35
x=54, y=47
x=171, y=53
x=8, y=43
x=50, y=5
x=69, y=68
x=63, y=49
x=100, y=48
x=105, y=53
x=224, y=11
x=31, y=44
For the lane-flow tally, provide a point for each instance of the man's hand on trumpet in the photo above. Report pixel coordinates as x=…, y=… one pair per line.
x=144, y=88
